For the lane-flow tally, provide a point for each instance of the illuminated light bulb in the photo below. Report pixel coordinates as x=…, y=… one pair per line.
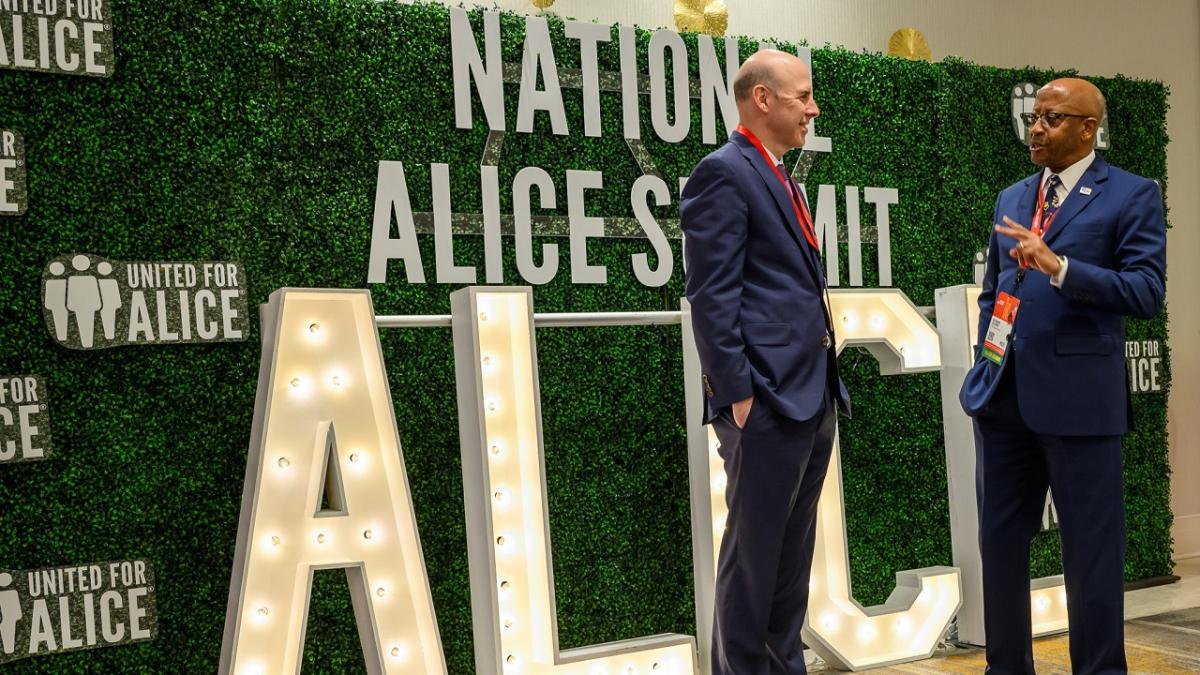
x=719, y=525
x=498, y=495
x=850, y=320
x=1062, y=596
x=655, y=666
x=1043, y=603
x=488, y=362
x=399, y=652
x=508, y=623
x=495, y=449
x=263, y=611
x=483, y=315
x=500, y=541
x=866, y=632
x=381, y=591
x=877, y=321
x=505, y=586
x=511, y=660
x=276, y=541
x=367, y=534
x=354, y=457
x=492, y=405
x=321, y=538
x=314, y=328
x=903, y=625
x=336, y=380
x=829, y=621
x=630, y=670
x=719, y=482
x=254, y=668
x=284, y=462
x=296, y=382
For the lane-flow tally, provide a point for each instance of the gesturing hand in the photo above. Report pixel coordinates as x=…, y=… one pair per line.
x=1030, y=249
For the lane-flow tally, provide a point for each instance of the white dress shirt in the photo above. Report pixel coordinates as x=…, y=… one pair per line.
x=1069, y=178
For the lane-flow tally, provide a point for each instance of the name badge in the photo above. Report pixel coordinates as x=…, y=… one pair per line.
x=995, y=343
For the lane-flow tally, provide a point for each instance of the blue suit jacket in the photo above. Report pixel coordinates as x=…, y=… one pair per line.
x=756, y=289
x=1068, y=344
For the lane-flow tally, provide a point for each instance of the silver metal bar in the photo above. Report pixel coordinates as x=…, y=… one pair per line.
x=560, y=320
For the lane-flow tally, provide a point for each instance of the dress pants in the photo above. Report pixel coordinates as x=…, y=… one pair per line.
x=1014, y=466
x=775, y=467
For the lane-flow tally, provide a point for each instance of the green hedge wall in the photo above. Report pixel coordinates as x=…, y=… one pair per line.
x=251, y=131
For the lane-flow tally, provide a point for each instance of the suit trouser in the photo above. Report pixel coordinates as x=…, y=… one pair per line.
x=775, y=467
x=1014, y=466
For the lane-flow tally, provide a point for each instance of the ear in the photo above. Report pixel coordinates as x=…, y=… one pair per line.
x=1088, y=129
x=759, y=94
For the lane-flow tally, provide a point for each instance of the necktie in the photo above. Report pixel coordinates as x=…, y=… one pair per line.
x=1050, y=198
x=810, y=232
x=805, y=226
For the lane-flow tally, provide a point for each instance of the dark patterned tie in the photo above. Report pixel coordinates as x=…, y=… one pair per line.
x=1050, y=199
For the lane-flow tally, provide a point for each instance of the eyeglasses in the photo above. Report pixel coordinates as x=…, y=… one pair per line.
x=1050, y=119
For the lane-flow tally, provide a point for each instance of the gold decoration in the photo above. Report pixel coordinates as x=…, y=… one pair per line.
x=542, y=4
x=702, y=16
x=909, y=43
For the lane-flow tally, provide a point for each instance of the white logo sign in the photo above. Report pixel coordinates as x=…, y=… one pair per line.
x=14, y=198
x=76, y=607
x=93, y=303
x=24, y=419
x=1144, y=361
x=71, y=37
x=538, y=204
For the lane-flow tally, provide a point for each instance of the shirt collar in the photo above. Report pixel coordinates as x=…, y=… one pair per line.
x=1070, y=176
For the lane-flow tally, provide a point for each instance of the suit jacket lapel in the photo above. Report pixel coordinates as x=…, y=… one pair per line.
x=774, y=186
x=1093, y=179
x=1028, y=203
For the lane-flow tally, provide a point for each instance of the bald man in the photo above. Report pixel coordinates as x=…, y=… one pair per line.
x=1076, y=248
x=771, y=388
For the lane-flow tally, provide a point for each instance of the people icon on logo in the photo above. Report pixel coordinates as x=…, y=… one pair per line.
x=56, y=300
x=83, y=295
x=110, y=299
x=10, y=613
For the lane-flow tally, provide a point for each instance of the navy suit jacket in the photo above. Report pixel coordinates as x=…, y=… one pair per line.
x=756, y=289
x=1068, y=343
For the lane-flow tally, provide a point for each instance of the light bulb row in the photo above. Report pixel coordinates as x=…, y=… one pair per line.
x=283, y=462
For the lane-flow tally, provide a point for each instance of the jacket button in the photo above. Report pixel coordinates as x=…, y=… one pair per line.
x=826, y=342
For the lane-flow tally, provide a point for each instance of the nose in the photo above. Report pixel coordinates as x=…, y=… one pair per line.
x=813, y=109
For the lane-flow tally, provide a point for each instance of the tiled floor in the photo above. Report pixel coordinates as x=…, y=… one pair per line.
x=1153, y=645
x=1183, y=594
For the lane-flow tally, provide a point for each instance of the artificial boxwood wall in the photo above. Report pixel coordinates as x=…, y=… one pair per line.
x=251, y=131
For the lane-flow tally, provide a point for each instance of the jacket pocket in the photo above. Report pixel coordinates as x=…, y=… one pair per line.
x=767, y=333
x=1082, y=343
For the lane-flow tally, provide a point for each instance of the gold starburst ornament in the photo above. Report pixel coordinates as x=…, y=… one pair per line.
x=542, y=4
x=909, y=43
x=702, y=16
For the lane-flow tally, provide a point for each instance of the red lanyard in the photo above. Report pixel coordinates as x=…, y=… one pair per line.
x=1038, y=227
x=802, y=215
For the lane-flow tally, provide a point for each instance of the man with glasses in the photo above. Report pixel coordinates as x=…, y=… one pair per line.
x=1076, y=248
x=757, y=292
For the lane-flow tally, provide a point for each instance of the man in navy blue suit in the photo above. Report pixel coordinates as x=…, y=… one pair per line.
x=1049, y=391
x=766, y=345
